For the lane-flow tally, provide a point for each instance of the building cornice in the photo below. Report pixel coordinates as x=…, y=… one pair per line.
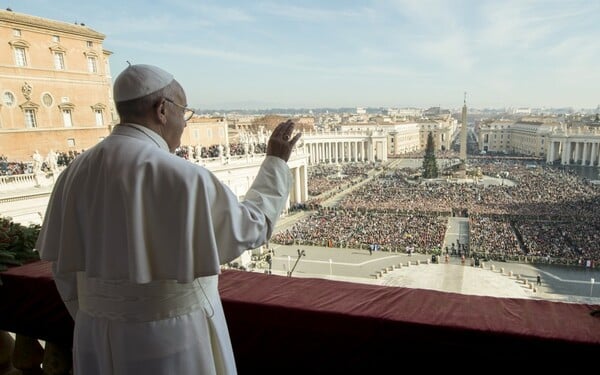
x=25, y=20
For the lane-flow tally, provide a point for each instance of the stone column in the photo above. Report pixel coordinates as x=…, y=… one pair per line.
x=320, y=158
x=304, y=183
x=336, y=148
x=370, y=154
x=297, y=181
x=570, y=152
x=566, y=154
x=332, y=152
x=361, y=146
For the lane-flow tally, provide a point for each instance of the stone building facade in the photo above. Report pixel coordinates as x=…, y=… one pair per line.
x=55, y=86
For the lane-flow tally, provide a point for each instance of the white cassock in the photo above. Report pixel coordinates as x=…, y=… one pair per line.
x=136, y=236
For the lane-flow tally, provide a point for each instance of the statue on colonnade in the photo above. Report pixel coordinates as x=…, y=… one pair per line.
x=52, y=160
x=36, y=167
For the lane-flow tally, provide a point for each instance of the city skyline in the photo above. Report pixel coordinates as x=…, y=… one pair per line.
x=309, y=54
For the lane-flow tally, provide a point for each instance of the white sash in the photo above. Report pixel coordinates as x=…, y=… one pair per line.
x=125, y=301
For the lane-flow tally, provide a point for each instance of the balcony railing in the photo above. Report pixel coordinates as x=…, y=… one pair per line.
x=282, y=324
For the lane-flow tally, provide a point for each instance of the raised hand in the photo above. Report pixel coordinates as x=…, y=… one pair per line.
x=280, y=144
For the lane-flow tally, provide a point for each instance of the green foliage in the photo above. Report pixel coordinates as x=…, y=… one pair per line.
x=17, y=243
x=436, y=251
x=430, y=168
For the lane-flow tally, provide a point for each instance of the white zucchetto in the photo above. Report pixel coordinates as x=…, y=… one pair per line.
x=139, y=80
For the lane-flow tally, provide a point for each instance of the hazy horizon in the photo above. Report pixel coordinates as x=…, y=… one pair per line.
x=377, y=109
x=313, y=54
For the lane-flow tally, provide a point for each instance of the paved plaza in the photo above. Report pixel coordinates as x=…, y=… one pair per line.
x=495, y=279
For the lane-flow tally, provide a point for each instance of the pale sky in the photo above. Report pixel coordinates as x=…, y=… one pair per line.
x=345, y=53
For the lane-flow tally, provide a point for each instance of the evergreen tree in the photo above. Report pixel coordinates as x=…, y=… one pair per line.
x=430, y=169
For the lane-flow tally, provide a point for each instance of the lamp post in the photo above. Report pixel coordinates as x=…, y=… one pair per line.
x=301, y=253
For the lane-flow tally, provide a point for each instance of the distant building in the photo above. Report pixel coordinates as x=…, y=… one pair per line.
x=568, y=141
x=403, y=138
x=494, y=136
x=522, y=111
x=305, y=122
x=410, y=112
x=442, y=129
x=529, y=136
x=391, y=112
x=406, y=136
x=435, y=111
x=206, y=131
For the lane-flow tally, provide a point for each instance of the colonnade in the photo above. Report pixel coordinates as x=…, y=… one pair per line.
x=337, y=151
x=577, y=151
x=340, y=148
x=240, y=173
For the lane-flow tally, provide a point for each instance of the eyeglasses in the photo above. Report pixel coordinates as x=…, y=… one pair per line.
x=187, y=112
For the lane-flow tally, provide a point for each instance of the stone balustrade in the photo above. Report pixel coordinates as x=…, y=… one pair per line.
x=26, y=181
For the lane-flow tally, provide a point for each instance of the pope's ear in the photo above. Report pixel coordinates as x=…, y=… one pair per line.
x=160, y=111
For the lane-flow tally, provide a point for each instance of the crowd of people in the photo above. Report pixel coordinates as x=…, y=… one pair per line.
x=11, y=168
x=214, y=151
x=359, y=229
x=545, y=214
x=326, y=177
x=64, y=158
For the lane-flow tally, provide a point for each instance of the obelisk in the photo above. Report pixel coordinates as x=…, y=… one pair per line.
x=463, y=135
